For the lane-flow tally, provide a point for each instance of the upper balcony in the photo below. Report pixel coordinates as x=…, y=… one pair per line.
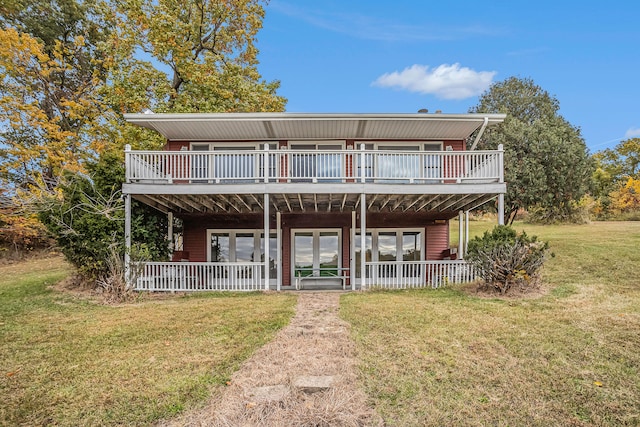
x=287, y=166
x=243, y=162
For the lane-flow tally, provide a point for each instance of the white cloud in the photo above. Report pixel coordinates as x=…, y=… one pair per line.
x=632, y=133
x=445, y=81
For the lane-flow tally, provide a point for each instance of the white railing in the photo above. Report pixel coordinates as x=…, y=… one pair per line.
x=285, y=165
x=417, y=274
x=198, y=276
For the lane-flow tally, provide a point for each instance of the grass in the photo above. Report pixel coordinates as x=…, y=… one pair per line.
x=69, y=361
x=570, y=357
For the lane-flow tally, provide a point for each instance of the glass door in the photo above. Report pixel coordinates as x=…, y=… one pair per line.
x=316, y=253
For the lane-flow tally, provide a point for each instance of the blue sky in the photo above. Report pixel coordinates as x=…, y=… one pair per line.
x=399, y=56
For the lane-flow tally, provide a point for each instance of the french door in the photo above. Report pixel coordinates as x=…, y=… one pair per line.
x=316, y=253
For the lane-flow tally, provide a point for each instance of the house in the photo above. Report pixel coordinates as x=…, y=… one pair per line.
x=302, y=188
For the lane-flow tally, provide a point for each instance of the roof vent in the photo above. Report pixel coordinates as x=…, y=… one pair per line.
x=423, y=110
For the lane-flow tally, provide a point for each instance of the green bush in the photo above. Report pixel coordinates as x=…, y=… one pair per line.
x=505, y=259
x=87, y=219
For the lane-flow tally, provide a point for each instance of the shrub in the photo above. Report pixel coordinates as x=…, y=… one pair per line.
x=87, y=220
x=506, y=259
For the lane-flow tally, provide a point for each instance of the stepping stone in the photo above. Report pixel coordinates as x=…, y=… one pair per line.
x=270, y=393
x=311, y=384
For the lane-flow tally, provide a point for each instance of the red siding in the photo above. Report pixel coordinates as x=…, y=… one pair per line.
x=176, y=145
x=437, y=240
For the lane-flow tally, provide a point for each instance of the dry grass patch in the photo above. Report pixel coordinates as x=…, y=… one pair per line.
x=570, y=357
x=70, y=361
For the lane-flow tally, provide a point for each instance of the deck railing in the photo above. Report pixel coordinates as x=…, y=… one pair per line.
x=197, y=276
x=247, y=276
x=381, y=166
x=418, y=274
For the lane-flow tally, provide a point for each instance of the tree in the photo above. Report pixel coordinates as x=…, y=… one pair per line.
x=87, y=216
x=618, y=164
x=69, y=69
x=547, y=164
x=198, y=57
x=50, y=67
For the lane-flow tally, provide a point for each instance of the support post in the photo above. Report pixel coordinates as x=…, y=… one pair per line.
x=362, y=167
x=127, y=240
x=278, y=250
x=266, y=240
x=460, y=235
x=363, y=238
x=352, y=249
x=500, y=209
x=170, y=231
x=466, y=232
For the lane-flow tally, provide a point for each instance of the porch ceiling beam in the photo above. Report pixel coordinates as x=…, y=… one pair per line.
x=428, y=202
x=456, y=202
x=212, y=204
x=476, y=202
x=442, y=202
x=286, y=200
x=197, y=206
x=386, y=201
x=315, y=201
x=153, y=203
x=397, y=204
x=375, y=196
x=258, y=202
x=300, y=201
x=344, y=200
x=228, y=202
x=244, y=202
x=416, y=200
x=329, y=205
x=175, y=201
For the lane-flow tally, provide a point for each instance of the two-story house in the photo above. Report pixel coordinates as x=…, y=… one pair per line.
x=334, y=200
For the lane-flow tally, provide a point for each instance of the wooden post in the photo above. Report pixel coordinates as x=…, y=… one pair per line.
x=266, y=240
x=127, y=240
x=352, y=248
x=363, y=238
x=278, y=250
x=466, y=232
x=460, y=235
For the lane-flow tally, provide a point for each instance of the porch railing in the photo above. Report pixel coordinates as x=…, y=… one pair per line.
x=197, y=276
x=382, y=166
x=235, y=276
x=418, y=274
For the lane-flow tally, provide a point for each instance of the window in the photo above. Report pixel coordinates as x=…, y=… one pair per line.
x=389, y=247
x=242, y=246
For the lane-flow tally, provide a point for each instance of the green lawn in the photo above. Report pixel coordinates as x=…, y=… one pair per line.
x=69, y=361
x=570, y=357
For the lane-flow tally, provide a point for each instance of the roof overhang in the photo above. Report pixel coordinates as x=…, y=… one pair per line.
x=312, y=126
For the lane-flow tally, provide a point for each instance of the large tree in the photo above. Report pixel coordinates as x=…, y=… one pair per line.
x=547, y=164
x=188, y=56
x=50, y=67
x=70, y=68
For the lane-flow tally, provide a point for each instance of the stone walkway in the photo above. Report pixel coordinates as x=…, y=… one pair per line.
x=306, y=376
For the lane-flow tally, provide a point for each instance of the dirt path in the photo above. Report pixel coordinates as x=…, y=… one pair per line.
x=304, y=377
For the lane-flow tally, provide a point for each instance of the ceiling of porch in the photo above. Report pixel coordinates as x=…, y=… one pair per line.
x=311, y=202
x=312, y=126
